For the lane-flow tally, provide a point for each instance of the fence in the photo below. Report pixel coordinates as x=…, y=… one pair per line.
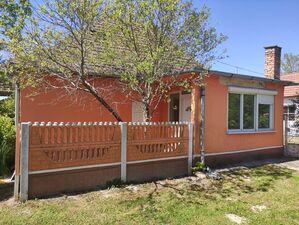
x=291, y=140
x=60, y=157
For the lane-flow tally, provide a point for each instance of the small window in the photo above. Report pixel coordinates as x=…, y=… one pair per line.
x=234, y=111
x=264, y=116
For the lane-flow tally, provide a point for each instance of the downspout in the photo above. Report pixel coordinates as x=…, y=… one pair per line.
x=17, y=103
x=16, y=176
x=202, y=128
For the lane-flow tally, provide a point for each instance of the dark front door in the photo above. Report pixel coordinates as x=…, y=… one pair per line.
x=174, y=107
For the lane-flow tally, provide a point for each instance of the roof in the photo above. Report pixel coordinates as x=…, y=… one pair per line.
x=291, y=91
x=249, y=77
x=113, y=65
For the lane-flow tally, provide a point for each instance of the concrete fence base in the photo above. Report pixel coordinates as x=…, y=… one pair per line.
x=292, y=150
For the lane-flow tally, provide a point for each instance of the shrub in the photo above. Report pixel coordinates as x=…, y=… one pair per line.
x=199, y=166
x=7, y=144
x=7, y=107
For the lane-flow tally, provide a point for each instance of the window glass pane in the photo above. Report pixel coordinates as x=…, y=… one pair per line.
x=264, y=116
x=234, y=111
x=285, y=109
x=292, y=109
x=248, y=112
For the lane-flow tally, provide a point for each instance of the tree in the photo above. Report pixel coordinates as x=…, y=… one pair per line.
x=7, y=128
x=290, y=63
x=60, y=42
x=145, y=42
x=157, y=40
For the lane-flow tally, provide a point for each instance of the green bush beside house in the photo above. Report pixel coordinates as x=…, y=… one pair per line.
x=7, y=136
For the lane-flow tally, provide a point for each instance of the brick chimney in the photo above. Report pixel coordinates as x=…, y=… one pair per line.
x=272, y=62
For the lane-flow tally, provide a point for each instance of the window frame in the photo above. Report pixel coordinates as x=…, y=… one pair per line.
x=256, y=93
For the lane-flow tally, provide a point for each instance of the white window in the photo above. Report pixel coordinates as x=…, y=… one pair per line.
x=250, y=109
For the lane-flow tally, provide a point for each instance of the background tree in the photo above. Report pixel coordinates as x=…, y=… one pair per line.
x=13, y=15
x=158, y=38
x=7, y=128
x=290, y=63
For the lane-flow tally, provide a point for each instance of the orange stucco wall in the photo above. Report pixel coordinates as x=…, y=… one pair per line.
x=217, y=138
x=55, y=106
x=58, y=106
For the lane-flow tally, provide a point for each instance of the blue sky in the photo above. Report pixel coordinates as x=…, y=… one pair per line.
x=250, y=25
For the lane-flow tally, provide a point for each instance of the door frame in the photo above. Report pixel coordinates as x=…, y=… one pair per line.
x=180, y=109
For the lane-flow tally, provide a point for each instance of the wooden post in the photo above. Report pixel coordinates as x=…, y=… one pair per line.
x=24, y=161
x=123, y=128
x=195, y=118
x=190, y=148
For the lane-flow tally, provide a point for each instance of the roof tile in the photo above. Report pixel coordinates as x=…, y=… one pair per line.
x=291, y=91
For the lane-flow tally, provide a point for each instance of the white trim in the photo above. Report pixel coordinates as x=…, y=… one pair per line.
x=251, y=131
x=168, y=107
x=242, y=90
x=190, y=148
x=242, y=111
x=158, y=159
x=74, y=168
x=240, y=151
x=256, y=115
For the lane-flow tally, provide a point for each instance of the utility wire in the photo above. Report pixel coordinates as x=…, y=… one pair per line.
x=240, y=68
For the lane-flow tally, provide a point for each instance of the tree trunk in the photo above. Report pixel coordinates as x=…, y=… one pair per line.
x=146, y=112
x=103, y=102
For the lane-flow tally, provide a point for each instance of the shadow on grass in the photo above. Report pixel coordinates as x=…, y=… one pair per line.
x=231, y=182
x=247, y=180
x=6, y=191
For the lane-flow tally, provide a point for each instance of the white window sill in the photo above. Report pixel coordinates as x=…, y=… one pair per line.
x=250, y=132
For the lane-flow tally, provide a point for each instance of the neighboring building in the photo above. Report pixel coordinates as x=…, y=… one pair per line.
x=243, y=114
x=291, y=101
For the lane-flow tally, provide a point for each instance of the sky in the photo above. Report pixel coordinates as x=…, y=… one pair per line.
x=250, y=25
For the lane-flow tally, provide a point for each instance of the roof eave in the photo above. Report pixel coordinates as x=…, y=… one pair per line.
x=248, y=77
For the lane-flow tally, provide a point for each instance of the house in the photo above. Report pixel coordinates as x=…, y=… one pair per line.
x=291, y=94
x=241, y=116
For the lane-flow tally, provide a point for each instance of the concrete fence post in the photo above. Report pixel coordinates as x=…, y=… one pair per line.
x=190, y=148
x=285, y=133
x=123, y=128
x=24, y=155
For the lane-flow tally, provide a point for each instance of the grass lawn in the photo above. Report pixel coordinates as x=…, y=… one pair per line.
x=262, y=195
